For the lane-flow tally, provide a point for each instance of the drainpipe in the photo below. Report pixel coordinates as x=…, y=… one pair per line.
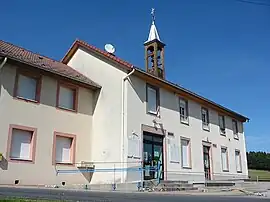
x=3, y=63
x=123, y=121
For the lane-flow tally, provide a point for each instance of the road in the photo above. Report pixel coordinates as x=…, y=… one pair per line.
x=72, y=195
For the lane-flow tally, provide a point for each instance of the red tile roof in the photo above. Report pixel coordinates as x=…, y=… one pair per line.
x=79, y=43
x=24, y=56
x=87, y=46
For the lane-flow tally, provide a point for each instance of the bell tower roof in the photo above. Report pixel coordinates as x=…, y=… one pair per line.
x=153, y=33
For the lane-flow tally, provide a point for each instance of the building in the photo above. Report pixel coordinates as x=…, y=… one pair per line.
x=95, y=107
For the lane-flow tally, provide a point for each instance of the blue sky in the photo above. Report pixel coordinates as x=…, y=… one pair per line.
x=219, y=49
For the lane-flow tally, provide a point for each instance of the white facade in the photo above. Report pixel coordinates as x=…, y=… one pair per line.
x=113, y=127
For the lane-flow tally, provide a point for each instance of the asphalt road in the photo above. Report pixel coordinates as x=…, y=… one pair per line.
x=71, y=195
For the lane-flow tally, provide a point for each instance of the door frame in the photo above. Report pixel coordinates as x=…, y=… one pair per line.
x=154, y=143
x=210, y=153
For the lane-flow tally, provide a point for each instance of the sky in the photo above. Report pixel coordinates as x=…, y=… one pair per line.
x=219, y=49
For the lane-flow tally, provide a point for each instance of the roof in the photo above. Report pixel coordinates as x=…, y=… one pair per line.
x=128, y=66
x=22, y=55
x=153, y=33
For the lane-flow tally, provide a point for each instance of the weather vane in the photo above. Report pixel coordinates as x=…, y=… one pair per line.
x=153, y=14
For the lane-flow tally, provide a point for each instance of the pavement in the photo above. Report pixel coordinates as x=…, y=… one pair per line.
x=98, y=196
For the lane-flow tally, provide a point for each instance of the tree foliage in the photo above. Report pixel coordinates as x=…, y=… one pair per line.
x=258, y=160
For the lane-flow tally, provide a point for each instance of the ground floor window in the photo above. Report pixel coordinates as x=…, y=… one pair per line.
x=64, y=148
x=21, y=143
x=185, y=153
x=224, y=159
x=238, y=161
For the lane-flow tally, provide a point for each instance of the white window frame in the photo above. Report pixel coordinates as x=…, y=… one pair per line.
x=225, y=169
x=157, y=106
x=221, y=120
x=238, y=170
x=183, y=107
x=188, y=152
x=205, y=125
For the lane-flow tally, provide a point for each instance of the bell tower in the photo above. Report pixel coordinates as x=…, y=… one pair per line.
x=154, y=51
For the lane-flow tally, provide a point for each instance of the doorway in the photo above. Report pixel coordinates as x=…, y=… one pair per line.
x=206, y=162
x=153, y=153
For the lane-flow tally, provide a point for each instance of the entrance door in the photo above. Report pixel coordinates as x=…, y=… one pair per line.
x=153, y=153
x=206, y=162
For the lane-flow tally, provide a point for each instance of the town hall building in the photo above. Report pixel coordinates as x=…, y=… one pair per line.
x=93, y=110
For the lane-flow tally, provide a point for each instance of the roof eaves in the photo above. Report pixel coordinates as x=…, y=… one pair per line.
x=92, y=84
x=192, y=93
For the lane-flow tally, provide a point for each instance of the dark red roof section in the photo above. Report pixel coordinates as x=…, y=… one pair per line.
x=87, y=46
x=24, y=56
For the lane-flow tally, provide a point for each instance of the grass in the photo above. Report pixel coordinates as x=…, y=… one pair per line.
x=262, y=175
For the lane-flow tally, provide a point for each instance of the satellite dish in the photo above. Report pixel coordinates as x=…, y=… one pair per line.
x=109, y=48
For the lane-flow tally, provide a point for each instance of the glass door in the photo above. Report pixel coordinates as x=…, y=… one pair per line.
x=153, y=153
x=206, y=160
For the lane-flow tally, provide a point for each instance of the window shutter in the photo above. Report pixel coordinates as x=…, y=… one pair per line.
x=27, y=87
x=66, y=98
x=21, y=144
x=224, y=159
x=152, y=100
x=185, y=153
x=63, y=149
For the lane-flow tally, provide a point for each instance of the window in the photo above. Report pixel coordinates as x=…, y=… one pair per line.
x=238, y=161
x=152, y=100
x=21, y=143
x=64, y=148
x=224, y=159
x=222, y=124
x=27, y=86
x=205, y=119
x=183, y=110
x=67, y=97
x=185, y=153
x=235, y=129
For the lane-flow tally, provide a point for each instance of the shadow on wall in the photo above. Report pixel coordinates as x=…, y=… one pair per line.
x=49, y=89
x=170, y=101
x=4, y=163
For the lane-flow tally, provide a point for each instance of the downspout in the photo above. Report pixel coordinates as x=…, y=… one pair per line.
x=1, y=66
x=123, y=121
x=3, y=63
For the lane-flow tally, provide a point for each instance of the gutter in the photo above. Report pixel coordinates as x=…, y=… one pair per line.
x=3, y=63
x=123, y=120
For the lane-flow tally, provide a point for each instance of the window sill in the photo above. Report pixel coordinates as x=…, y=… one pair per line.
x=177, y=162
x=239, y=171
x=153, y=114
x=223, y=134
x=15, y=160
x=186, y=167
x=65, y=164
x=226, y=171
x=66, y=109
x=206, y=128
x=236, y=138
x=26, y=100
x=185, y=122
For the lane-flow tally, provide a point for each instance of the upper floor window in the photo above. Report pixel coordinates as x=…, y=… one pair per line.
x=205, y=119
x=152, y=100
x=235, y=129
x=183, y=110
x=222, y=124
x=27, y=86
x=67, y=96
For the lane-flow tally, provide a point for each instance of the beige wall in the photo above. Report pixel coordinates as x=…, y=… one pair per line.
x=47, y=119
x=109, y=129
x=170, y=120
